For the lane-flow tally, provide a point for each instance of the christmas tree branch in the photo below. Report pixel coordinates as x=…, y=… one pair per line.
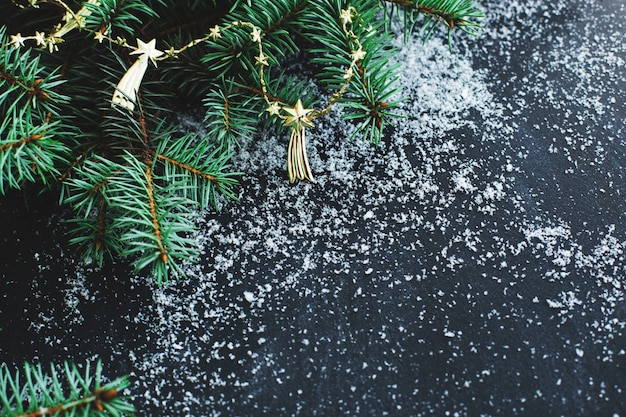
x=191, y=161
x=122, y=164
x=151, y=218
x=230, y=114
x=354, y=49
x=359, y=70
x=33, y=137
x=95, y=399
x=87, y=192
x=447, y=13
x=28, y=151
x=82, y=194
x=94, y=235
x=461, y=14
x=73, y=164
x=100, y=232
x=44, y=394
x=32, y=89
x=288, y=15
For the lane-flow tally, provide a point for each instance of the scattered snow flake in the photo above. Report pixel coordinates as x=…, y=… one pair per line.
x=554, y=304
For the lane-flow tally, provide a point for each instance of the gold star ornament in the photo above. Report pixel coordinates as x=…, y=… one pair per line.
x=298, y=116
x=214, y=33
x=147, y=50
x=261, y=60
x=346, y=16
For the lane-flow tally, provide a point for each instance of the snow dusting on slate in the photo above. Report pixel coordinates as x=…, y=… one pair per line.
x=472, y=264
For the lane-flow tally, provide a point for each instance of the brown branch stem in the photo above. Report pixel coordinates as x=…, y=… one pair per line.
x=450, y=20
x=32, y=90
x=153, y=213
x=24, y=141
x=187, y=168
x=96, y=398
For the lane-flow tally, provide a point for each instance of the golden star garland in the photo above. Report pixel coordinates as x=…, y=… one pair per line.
x=125, y=95
x=73, y=20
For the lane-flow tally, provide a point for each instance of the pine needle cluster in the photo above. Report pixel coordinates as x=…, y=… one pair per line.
x=90, y=92
x=71, y=392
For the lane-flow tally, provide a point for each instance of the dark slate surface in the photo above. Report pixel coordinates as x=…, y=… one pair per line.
x=473, y=265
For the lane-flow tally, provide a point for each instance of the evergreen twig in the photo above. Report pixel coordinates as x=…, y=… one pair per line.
x=72, y=392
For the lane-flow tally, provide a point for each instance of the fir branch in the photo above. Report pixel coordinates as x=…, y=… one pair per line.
x=28, y=151
x=200, y=169
x=108, y=16
x=23, y=81
x=87, y=192
x=32, y=90
x=234, y=48
x=33, y=137
x=41, y=394
x=101, y=228
x=288, y=13
x=90, y=183
x=230, y=114
x=357, y=66
x=188, y=168
x=133, y=181
x=124, y=200
x=152, y=219
x=156, y=225
x=94, y=236
x=451, y=14
x=73, y=165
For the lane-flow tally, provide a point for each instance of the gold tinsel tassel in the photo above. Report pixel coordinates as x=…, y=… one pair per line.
x=298, y=167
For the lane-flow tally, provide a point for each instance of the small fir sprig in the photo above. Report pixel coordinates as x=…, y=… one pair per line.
x=73, y=391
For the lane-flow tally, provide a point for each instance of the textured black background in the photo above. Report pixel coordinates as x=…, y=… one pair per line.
x=378, y=324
